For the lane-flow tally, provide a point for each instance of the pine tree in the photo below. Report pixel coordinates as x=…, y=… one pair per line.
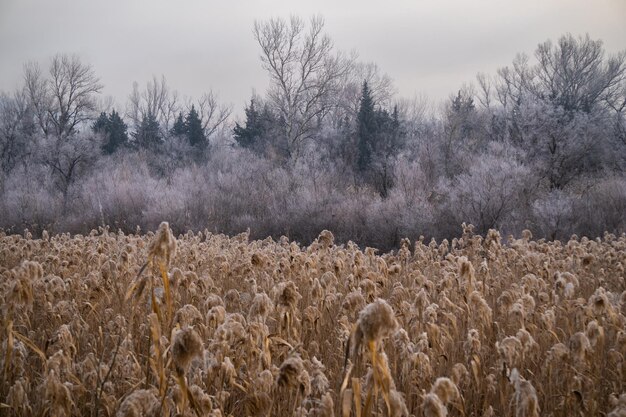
x=148, y=135
x=247, y=136
x=263, y=132
x=366, y=129
x=101, y=125
x=195, y=132
x=114, y=130
x=378, y=141
x=386, y=146
x=118, y=135
x=179, y=128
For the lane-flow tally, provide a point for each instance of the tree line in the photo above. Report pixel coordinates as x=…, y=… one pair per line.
x=539, y=145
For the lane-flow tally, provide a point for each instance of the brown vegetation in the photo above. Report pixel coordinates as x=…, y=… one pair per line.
x=209, y=325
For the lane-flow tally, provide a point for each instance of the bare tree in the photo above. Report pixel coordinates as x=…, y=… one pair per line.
x=565, y=147
x=72, y=86
x=304, y=73
x=574, y=74
x=416, y=114
x=157, y=99
x=349, y=96
x=617, y=106
x=16, y=127
x=68, y=159
x=490, y=192
x=66, y=98
x=485, y=88
x=36, y=86
x=59, y=104
x=213, y=114
x=513, y=82
x=559, y=109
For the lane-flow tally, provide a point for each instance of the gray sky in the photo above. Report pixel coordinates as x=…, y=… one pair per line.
x=428, y=47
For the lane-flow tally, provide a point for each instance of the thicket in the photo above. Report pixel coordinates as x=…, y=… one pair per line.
x=541, y=145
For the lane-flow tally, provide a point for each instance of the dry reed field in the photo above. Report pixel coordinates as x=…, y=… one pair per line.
x=208, y=325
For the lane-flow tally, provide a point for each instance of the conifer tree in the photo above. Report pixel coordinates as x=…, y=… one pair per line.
x=101, y=124
x=379, y=139
x=114, y=130
x=148, y=134
x=195, y=132
x=179, y=128
x=247, y=135
x=117, y=131
x=366, y=129
x=262, y=132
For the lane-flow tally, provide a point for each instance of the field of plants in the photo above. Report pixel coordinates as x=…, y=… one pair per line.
x=201, y=324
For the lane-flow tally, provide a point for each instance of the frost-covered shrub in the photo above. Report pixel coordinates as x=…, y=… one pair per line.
x=492, y=194
x=553, y=214
x=28, y=200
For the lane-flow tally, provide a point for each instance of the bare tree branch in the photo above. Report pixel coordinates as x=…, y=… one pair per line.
x=303, y=71
x=213, y=114
x=157, y=99
x=72, y=87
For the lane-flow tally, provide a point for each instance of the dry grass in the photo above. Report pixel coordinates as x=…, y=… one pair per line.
x=207, y=325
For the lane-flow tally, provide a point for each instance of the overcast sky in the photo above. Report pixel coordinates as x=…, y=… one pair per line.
x=427, y=46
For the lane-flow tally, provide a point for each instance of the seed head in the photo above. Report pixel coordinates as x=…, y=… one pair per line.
x=141, y=403
x=163, y=247
x=526, y=402
x=376, y=321
x=397, y=405
x=261, y=307
x=293, y=375
x=187, y=345
x=288, y=295
x=433, y=407
x=446, y=390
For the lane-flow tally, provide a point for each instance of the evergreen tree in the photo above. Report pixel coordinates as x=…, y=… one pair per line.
x=262, y=133
x=101, y=125
x=385, y=148
x=366, y=126
x=148, y=134
x=114, y=130
x=378, y=141
x=247, y=136
x=118, y=135
x=195, y=132
x=179, y=128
